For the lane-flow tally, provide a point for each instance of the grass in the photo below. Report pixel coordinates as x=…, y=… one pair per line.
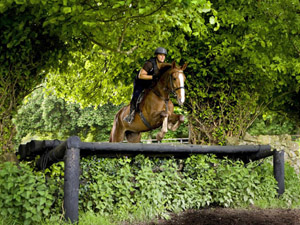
x=88, y=218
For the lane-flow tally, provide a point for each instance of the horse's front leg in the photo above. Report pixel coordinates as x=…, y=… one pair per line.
x=174, y=121
x=160, y=135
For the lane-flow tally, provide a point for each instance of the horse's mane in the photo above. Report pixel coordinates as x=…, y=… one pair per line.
x=164, y=68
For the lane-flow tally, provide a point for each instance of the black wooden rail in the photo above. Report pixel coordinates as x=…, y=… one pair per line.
x=71, y=150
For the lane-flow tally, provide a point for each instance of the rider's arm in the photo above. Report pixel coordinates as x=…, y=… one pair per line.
x=143, y=75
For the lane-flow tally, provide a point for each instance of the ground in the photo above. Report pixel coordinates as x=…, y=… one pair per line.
x=223, y=216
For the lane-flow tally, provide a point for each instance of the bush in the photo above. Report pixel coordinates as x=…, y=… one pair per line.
x=129, y=188
x=23, y=194
x=139, y=188
x=291, y=196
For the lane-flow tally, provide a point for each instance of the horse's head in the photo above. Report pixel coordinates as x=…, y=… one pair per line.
x=177, y=79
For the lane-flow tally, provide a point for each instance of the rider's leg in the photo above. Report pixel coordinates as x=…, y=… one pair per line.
x=130, y=117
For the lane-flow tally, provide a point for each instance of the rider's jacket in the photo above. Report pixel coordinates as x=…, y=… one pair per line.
x=151, y=67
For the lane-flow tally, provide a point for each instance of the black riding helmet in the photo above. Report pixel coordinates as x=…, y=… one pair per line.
x=160, y=50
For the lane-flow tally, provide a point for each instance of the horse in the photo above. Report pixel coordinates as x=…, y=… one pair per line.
x=156, y=109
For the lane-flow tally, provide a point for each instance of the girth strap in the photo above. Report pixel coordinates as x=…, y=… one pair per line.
x=144, y=120
x=142, y=115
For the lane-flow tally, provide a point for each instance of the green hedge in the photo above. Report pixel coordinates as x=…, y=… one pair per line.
x=24, y=194
x=141, y=188
x=131, y=187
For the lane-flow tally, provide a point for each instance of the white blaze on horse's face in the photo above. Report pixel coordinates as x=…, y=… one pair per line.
x=178, y=86
x=182, y=93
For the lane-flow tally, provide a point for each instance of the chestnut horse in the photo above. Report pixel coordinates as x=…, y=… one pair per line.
x=155, y=109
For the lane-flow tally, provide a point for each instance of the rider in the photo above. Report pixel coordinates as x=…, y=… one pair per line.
x=145, y=78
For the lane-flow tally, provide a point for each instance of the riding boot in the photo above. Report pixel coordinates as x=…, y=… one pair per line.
x=130, y=117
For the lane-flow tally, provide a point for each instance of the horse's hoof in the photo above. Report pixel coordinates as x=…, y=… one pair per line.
x=158, y=137
x=181, y=118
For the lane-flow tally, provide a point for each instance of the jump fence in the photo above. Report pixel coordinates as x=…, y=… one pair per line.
x=71, y=150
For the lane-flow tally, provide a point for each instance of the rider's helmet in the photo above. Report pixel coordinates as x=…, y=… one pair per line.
x=160, y=50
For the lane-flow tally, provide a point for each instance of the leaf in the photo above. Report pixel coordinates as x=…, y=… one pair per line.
x=142, y=10
x=206, y=8
x=212, y=20
x=67, y=10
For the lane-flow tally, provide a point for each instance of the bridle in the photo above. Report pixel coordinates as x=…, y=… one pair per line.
x=173, y=90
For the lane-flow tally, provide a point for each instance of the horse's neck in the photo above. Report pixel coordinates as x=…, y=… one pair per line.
x=161, y=88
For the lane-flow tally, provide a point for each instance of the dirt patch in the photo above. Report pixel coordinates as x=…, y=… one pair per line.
x=222, y=216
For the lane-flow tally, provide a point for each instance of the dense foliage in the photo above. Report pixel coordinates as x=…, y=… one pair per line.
x=44, y=116
x=249, y=65
x=86, y=44
x=24, y=195
x=139, y=188
x=27, y=50
x=136, y=185
x=274, y=124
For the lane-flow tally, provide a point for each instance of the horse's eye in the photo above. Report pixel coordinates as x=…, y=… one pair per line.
x=174, y=78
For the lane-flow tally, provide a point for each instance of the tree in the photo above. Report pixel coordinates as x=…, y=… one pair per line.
x=63, y=37
x=27, y=50
x=48, y=117
x=250, y=65
x=103, y=73
x=242, y=63
x=272, y=123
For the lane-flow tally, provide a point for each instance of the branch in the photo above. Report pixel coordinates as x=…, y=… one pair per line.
x=136, y=16
x=151, y=13
x=121, y=39
x=109, y=48
x=297, y=49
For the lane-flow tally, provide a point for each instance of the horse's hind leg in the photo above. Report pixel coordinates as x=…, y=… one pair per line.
x=117, y=132
x=175, y=121
x=117, y=136
x=133, y=137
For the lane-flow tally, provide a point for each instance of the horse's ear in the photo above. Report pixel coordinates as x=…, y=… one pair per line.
x=184, y=66
x=173, y=64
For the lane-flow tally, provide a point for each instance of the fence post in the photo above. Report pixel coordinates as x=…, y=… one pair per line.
x=71, y=185
x=278, y=168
